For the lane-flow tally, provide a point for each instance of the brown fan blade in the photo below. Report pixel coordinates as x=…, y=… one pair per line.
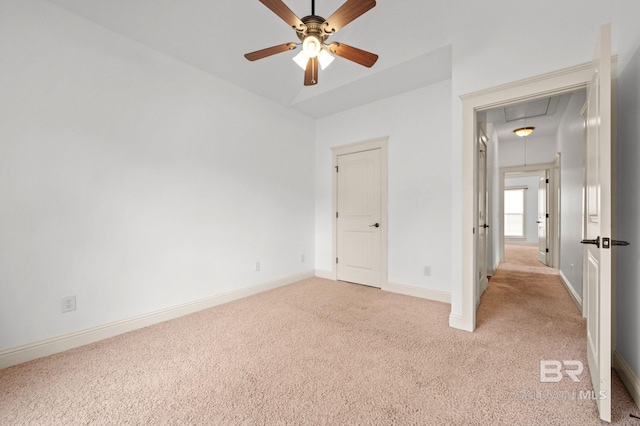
x=311, y=72
x=281, y=9
x=346, y=13
x=263, y=53
x=354, y=54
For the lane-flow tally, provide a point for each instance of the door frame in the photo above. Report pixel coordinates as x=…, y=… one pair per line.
x=552, y=84
x=553, y=207
x=368, y=145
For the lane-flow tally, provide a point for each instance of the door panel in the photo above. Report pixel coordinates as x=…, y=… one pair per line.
x=597, y=257
x=483, y=281
x=359, y=209
x=542, y=221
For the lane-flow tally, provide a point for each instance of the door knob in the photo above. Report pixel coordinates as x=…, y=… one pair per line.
x=595, y=242
x=377, y=225
x=485, y=226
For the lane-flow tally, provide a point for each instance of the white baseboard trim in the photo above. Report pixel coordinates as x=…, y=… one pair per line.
x=572, y=292
x=42, y=348
x=456, y=321
x=496, y=265
x=627, y=376
x=321, y=273
x=424, y=293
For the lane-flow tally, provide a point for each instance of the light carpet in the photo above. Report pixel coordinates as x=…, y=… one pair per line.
x=323, y=352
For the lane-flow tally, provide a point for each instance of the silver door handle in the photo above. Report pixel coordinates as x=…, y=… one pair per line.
x=377, y=225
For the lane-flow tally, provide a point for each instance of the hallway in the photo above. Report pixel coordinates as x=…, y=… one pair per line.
x=527, y=300
x=522, y=255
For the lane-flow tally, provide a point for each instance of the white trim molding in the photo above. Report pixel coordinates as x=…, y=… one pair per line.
x=42, y=348
x=423, y=293
x=329, y=275
x=627, y=376
x=457, y=321
x=577, y=300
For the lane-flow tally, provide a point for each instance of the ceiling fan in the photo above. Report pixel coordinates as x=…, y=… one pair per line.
x=313, y=32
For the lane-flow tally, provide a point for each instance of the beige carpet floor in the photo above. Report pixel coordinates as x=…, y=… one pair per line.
x=323, y=352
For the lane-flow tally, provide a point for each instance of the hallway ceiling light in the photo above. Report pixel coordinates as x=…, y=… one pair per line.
x=523, y=132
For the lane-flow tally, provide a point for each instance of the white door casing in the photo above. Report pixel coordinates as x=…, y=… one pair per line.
x=598, y=223
x=359, y=202
x=553, y=207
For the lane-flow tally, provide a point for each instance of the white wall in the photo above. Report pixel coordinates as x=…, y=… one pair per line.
x=628, y=214
x=570, y=139
x=528, y=151
x=418, y=126
x=134, y=181
x=531, y=205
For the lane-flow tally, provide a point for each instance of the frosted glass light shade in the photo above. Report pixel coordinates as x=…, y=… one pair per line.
x=301, y=59
x=524, y=131
x=325, y=58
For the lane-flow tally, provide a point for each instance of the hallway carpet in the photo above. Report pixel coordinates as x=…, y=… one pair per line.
x=323, y=352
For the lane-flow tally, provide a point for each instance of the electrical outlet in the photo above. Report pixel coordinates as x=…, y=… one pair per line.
x=427, y=271
x=68, y=304
x=257, y=267
x=302, y=258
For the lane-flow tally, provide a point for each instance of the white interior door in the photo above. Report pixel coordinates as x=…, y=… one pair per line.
x=359, y=218
x=542, y=220
x=597, y=249
x=482, y=213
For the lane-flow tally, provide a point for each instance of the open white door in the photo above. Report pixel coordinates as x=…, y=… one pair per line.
x=543, y=219
x=597, y=249
x=483, y=281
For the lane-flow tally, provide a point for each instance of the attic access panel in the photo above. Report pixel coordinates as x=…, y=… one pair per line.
x=537, y=108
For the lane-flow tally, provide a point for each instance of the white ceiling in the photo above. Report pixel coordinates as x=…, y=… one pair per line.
x=543, y=114
x=214, y=35
x=413, y=39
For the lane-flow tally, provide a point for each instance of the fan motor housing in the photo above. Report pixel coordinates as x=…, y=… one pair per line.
x=314, y=28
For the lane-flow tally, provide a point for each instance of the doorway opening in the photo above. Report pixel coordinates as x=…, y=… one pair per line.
x=529, y=210
x=527, y=215
x=474, y=106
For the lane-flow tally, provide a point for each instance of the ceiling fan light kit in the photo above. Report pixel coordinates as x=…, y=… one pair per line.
x=313, y=32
